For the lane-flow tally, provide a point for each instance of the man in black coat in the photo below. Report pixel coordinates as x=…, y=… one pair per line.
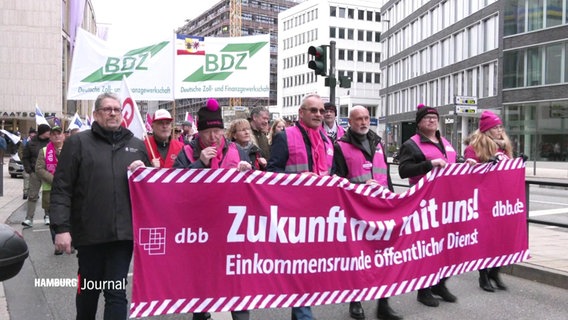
x=90, y=205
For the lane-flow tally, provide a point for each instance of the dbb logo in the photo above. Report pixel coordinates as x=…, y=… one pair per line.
x=188, y=236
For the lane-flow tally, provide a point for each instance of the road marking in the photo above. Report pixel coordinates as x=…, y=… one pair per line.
x=40, y=230
x=538, y=213
x=548, y=202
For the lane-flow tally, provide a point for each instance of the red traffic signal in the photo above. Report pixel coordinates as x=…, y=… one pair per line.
x=318, y=63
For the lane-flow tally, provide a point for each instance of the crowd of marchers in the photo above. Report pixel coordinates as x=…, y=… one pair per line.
x=84, y=184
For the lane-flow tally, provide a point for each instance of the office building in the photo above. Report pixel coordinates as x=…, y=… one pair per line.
x=35, y=46
x=355, y=26
x=510, y=56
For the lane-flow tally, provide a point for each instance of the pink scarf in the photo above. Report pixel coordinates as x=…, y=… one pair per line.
x=319, y=157
x=50, y=158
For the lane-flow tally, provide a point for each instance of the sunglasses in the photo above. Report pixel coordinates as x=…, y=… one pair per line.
x=315, y=110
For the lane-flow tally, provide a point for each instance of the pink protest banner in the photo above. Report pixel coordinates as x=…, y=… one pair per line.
x=220, y=240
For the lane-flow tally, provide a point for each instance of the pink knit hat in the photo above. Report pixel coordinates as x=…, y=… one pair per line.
x=488, y=120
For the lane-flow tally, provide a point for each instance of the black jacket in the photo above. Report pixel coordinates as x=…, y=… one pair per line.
x=90, y=196
x=340, y=165
x=412, y=161
x=31, y=151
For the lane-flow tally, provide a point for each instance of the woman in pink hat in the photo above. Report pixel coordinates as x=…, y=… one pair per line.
x=489, y=143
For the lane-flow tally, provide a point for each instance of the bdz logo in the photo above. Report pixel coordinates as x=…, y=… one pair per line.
x=153, y=240
x=219, y=67
x=134, y=60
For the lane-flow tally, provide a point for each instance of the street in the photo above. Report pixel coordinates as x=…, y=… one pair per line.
x=524, y=299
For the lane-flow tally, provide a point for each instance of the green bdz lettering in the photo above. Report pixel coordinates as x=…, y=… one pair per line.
x=126, y=64
x=224, y=62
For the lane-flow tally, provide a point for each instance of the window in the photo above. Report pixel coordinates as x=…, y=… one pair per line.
x=360, y=35
x=342, y=12
x=350, y=13
x=361, y=15
x=534, y=67
x=536, y=8
x=487, y=80
x=554, y=59
x=377, y=17
x=350, y=34
x=553, y=13
x=359, y=76
x=370, y=36
x=369, y=57
x=341, y=33
x=377, y=57
x=515, y=11
x=368, y=77
x=377, y=36
x=332, y=32
x=341, y=54
x=350, y=55
x=377, y=78
x=333, y=11
x=369, y=15
x=360, y=55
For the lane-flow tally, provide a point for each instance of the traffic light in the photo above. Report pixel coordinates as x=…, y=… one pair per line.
x=319, y=61
x=344, y=82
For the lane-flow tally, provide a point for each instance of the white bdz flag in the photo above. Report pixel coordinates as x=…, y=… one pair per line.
x=131, y=118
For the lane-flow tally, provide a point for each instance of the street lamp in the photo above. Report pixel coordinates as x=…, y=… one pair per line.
x=387, y=85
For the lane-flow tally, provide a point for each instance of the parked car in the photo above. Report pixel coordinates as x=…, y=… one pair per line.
x=15, y=168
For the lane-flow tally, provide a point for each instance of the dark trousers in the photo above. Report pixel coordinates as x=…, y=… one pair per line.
x=107, y=261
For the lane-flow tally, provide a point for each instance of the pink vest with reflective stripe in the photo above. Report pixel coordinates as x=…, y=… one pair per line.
x=361, y=170
x=432, y=152
x=298, y=154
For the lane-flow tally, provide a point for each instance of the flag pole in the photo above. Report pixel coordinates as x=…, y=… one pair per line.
x=147, y=138
x=173, y=82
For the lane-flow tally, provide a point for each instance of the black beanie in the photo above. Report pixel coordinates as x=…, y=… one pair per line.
x=423, y=111
x=43, y=128
x=210, y=116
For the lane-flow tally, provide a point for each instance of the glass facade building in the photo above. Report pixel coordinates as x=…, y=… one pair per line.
x=512, y=55
x=535, y=77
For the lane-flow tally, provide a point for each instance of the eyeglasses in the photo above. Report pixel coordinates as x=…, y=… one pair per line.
x=109, y=110
x=431, y=117
x=315, y=110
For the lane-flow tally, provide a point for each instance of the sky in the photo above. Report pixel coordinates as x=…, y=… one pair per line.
x=142, y=22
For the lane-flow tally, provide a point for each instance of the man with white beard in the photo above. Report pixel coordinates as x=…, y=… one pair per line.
x=359, y=156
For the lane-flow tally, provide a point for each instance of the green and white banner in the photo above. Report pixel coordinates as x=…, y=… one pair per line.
x=184, y=67
x=98, y=68
x=222, y=67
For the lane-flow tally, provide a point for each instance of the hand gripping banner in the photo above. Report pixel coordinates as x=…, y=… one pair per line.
x=220, y=240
